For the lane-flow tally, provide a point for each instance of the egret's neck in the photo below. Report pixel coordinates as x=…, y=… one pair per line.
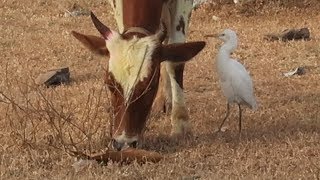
x=226, y=49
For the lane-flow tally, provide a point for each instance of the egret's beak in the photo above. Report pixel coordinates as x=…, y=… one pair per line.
x=212, y=35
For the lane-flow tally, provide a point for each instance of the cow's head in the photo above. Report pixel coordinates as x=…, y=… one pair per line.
x=133, y=74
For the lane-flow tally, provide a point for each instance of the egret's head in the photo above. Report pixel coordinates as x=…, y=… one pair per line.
x=228, y=35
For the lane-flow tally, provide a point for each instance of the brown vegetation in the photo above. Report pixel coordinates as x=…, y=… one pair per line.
x=39, y=125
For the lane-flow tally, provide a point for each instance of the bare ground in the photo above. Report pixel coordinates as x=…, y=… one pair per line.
x=279, y=141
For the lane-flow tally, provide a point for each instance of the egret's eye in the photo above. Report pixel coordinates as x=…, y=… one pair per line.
x=222, y=34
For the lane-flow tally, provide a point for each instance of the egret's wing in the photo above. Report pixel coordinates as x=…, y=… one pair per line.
x=238, y=66
x=242, y=84
x=227, y=89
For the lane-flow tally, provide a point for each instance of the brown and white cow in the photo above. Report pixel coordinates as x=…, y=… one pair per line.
x=135, y=55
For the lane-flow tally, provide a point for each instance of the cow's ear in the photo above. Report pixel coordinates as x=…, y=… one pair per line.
x=181, y=52
x=94, y=43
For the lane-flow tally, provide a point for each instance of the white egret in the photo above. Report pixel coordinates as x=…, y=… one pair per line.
x=236, y=83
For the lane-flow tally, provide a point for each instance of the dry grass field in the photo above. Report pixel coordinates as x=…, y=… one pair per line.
x=281, y=140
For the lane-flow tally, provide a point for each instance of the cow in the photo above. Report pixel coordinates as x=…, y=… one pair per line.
x=149, y=43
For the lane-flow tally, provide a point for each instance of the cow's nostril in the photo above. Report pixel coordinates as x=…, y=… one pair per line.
x=134, y=144
x=116, y=145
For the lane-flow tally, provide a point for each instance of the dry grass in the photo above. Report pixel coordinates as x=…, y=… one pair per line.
x=280, y=140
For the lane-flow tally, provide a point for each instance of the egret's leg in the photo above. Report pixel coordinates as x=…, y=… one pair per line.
x=227, y=115
x=240, y=114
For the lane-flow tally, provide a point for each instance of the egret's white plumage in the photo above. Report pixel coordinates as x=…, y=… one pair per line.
x=235, y=81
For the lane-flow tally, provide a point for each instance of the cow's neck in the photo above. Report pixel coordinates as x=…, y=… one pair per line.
x=137, y=13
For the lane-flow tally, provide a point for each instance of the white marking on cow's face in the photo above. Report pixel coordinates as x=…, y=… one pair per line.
x=130, y=60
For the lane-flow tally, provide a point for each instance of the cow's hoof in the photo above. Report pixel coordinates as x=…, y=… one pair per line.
x=181, y=130
x=180, y=136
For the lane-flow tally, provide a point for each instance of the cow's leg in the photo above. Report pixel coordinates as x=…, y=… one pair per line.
x=179, y=116
x=163, y=99
x=180, y=13
x=163, y=102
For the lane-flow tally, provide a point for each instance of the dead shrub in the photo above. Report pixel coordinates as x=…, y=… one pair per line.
x=42, y=119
